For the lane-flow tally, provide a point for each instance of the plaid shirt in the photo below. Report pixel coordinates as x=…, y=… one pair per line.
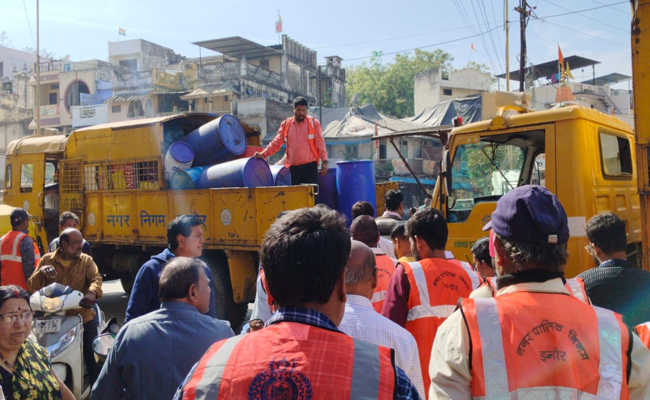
x=404, y=388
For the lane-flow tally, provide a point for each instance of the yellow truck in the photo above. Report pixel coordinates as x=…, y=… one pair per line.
x=585, y=157
x=112, y=177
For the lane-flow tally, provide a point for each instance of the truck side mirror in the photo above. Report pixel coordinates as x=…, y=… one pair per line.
x=446, y=172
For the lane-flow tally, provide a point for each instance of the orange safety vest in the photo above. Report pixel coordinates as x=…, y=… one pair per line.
x=11, y=272
x=541, y=345
x=311, y=136
x=436, y=286
x=385, y=268
x=289, y=360
x=575, y=286
x=643, y=330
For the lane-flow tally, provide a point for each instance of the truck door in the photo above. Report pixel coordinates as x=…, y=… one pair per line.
x=486, y=166
x=30, y=169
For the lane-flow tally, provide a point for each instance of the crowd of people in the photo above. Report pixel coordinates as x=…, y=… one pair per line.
x=373, y=308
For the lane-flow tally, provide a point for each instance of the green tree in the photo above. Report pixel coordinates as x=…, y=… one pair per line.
x=389, y=87
x=4, y=40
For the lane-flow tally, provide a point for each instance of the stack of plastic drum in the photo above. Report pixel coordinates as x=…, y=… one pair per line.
x=355, y=181
x=179, y=157
x=244, y=172
x=281, y=175
x=217, y=141
x=327, y=188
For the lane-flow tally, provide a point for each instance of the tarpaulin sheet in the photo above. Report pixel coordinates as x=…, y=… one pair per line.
x=444, y=112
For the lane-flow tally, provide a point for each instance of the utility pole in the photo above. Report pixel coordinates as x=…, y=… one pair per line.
x=507, y=48
x=524, y=14
x=38, y=75
x=320, y=101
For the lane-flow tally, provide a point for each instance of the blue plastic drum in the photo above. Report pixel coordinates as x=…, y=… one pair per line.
x=180, y=180
x=327, y=188
x=355, y=181
x=244, y=172
x=195, y=173
x=217, y=141
x=281, y=175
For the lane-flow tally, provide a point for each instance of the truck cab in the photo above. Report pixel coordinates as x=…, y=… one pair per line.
x=583, y=156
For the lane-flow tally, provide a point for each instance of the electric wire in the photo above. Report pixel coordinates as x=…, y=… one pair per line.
x=29, y=25
x=588, y=17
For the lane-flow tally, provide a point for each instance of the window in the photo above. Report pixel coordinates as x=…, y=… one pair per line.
x=26, y=177
x=264, y=64
x=54, y=86
x=446, y=92
x=135, y=109
x=53, y=98
x=8, y=177
x=116, y=109
x=130, y=63
x=50, y=173
x=225, y=98
x=404, y=148
x=352, y=152
x=1, y=70
x=616, y=155
x=382, y=150
x=539, y=171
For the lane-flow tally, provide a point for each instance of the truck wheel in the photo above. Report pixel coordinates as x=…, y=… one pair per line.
x=127, y=284
x=225, y=306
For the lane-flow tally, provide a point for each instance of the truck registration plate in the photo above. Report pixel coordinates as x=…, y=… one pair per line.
x=47, y=326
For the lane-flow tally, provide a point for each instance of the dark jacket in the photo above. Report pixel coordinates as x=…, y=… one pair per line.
x=386, y=224
x=621, y=287
x=144, y=296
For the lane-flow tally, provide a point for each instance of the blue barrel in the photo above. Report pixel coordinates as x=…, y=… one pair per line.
x=195, y=173
x=281, y=175
x=355, y=181
x=217, y=141
x=244, y=172
x=327, y=188
x=181, y=180
x=179, y=155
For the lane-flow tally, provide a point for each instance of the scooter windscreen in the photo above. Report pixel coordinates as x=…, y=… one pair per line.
x=55, y=298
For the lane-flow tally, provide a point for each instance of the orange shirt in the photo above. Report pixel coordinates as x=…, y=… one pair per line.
x=299, y=152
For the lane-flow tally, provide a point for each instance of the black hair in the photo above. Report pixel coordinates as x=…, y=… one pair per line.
x=399, y=231
x=481, y=250
x=527, y=256
x=607, y=231
x=430, y=225
x=12, y=292
x=362, y=208
x=181, y=225
x=300, y=101
x=393, y=199
x=177, y=276
x=303, y=255
x=66, y=215
x=365, y=230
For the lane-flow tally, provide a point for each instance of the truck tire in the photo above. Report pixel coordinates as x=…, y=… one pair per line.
x=225, y=306
x=127, y=284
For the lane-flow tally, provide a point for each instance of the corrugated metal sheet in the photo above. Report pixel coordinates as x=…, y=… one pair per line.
x=128, y=95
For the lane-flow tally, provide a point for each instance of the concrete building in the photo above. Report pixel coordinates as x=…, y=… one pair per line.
x=139, y=55
x=434, y=86
x=13, y=61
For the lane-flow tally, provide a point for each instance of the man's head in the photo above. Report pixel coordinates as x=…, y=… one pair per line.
x=607, y=237
x=428, y=233
x=185, y=236
x=19, y=219
x=364, y=229
x=400, y=239
x=482, y=260
x=360, y=271
x=362, y=208
x=71, y=243
x=300, y=108
x=184, y=279
x=68, y=220
x=394, y=201
x=303, y=255
x=530, y=231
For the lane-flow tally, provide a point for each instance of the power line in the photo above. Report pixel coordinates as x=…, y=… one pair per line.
x=588, y=17
x=28, y=24
x=615, y=9
x=586, y=9
x=483, y=41
x=584, y=33
x=427, y=46
x=494, y=46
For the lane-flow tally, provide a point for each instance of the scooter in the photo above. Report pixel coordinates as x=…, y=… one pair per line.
x=62, y=335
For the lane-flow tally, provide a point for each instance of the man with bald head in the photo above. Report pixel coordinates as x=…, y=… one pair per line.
x=362, y=322
x=69, y=266
x=365, y=230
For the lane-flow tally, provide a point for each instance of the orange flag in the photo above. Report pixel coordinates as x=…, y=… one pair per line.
x=559, y=55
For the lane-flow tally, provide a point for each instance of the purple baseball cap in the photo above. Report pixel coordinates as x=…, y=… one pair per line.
x=530, y=214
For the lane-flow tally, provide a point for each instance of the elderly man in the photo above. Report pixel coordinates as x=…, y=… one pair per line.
x=69, y=266
x=362, y=322
x=301, y=353
x=616, y=284
x=365, y=208
x=533, y=340
x=153, y=353
x=422, y=294
x=185, y=238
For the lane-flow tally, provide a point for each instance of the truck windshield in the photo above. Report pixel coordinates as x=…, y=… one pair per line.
x=483, y=171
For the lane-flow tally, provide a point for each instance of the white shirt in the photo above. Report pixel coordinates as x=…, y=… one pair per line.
x=386, y=247
x=362, y=322
x=261, y=308
x=449, y=367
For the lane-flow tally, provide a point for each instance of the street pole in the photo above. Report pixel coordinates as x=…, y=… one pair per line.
x=38, y=75
x=507, y=49
x=522, y=33
x=320, y=102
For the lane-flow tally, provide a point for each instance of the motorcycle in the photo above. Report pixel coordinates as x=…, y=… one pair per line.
x=62, y=335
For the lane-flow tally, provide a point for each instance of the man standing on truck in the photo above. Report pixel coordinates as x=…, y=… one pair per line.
x=394, y=200
x=70, y=267
x=18, y=252
x=185, y=238
x=305, y=145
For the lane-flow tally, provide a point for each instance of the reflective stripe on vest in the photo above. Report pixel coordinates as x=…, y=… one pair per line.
x=311, y=137
x=473, y=275
x=208, y=387
x=12, y=261
x=576, y=288
x=425, y=309
x=495, y=367
x=14, y=256
x=643, y=330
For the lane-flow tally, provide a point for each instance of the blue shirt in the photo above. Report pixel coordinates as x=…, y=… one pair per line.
x=152, y=354
x=144, y=295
